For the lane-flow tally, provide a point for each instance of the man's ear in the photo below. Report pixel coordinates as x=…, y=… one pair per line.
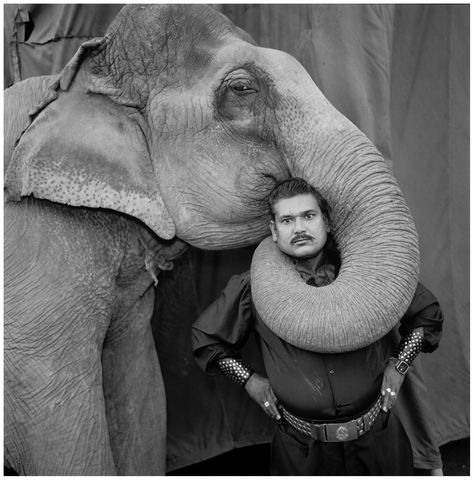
x=273, y=230
x=85, y=150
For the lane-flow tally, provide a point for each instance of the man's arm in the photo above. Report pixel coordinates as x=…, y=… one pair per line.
x=420, y=329
x=218, y=334
x=221, y=330
x=424, y=311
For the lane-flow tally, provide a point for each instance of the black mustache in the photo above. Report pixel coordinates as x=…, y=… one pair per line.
x=296, y=238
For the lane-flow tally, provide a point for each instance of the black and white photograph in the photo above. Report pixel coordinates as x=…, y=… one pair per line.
x=236, y=239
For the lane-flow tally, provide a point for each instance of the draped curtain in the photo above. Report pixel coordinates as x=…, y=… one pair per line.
x=401, y=74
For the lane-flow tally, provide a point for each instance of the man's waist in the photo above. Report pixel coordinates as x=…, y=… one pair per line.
x=330, y=412
x=336, y=429
x=323, y=404
x=322, y=386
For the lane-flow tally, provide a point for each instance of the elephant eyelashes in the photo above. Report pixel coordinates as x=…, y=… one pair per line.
x=243, y=88
x=241, y=82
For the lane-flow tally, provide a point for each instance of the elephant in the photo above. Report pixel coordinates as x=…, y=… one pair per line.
x=169, y=131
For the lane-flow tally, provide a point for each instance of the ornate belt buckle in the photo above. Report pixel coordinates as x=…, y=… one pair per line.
x=341, y=432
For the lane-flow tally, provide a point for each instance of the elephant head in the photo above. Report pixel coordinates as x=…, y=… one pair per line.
x=178, y=119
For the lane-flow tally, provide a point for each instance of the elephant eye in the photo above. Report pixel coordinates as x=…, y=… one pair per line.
x=238, y=98
x=241, y=82
x=241, y=87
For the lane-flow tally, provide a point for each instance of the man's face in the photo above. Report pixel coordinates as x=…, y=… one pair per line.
x=299, y=228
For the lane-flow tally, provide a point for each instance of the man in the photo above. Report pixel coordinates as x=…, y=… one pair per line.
x=333, y=409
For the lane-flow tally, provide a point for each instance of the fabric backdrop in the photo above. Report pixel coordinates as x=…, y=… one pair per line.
x=401, y=74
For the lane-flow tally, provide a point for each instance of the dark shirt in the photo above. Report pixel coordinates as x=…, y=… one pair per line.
x=309, y=384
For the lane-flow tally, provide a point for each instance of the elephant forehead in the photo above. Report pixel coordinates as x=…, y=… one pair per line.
x=173, y=24
x=167, y=38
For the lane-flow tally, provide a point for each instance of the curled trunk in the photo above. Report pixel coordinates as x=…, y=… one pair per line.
x=374, y=232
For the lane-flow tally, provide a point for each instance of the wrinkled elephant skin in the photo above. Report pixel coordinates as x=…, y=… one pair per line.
x=171, y=129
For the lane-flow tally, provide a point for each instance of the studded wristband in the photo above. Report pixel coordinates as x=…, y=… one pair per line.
x=409, y=348
x=235, y=369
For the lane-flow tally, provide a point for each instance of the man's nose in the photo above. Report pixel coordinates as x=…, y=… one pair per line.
x=299, y=225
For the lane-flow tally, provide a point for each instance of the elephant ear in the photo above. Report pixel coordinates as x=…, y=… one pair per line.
x=85, y=150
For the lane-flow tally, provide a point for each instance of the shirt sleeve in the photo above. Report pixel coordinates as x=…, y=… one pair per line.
x=424, y=311
x=222, y=329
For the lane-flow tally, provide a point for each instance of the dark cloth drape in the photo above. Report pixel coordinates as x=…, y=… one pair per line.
x=401, y=74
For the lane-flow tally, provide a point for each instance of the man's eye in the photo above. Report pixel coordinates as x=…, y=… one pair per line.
x=309, y=216
x=286, y=220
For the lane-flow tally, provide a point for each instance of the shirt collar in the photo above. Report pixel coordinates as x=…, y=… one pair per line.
x=323, y=273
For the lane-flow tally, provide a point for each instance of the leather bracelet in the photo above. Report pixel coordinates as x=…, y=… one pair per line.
x=235, y=369
x=409, y=348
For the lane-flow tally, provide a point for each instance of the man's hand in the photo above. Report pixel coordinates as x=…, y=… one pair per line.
x=392, y=382
x=260, y=390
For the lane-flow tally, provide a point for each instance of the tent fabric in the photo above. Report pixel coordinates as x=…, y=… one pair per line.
x=401, y=74
x=430, y=125
x=41, y=38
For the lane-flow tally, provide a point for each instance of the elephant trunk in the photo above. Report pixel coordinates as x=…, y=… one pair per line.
x=371, y=224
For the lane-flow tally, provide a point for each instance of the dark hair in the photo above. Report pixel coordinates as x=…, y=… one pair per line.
x=298, y=186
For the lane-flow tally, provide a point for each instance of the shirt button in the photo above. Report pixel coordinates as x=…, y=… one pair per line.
x=331, y=372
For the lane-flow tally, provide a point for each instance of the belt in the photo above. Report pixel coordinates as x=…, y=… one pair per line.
x=335, y=432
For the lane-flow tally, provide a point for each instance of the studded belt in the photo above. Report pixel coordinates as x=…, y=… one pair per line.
x=334, y=432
